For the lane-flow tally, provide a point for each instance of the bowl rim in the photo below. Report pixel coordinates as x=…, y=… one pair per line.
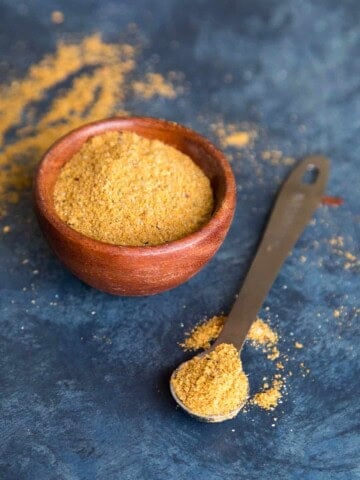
x=45, y=204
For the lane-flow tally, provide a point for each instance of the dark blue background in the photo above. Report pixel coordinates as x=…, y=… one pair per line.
x=85, y=395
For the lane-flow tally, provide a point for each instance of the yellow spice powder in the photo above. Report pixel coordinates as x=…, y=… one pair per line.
x=272, y=352
x=260, y=334
x=269, y=398
x=212, y=384
x=124, y=189
x=203, y=334
x=154, y=84
x=57, y=17
x=238, y=139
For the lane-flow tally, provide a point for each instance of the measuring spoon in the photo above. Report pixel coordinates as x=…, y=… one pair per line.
x=297, y=200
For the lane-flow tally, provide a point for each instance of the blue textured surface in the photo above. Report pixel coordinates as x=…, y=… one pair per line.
x=85, y=395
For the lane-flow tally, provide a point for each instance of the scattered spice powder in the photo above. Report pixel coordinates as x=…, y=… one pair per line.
x=276, y=157
x=273, y=354
x=203, y=334
x=212, y=384
x=261, y=333
x=125, y=189
x=337, y=241
x=304, y=370
x=269, y=398
x=233, y=135
x=350, y=256
x=350, y=260
x=57, y=17
x=97, y=74
x=154, y=84
x=238, y=139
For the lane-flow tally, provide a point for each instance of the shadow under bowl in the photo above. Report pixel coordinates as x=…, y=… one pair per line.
x=128, y=270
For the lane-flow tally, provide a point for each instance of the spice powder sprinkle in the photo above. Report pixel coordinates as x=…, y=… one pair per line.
x=268, y=399
x=213, y=383
x=260, y=335
x=124, y=189
x=203, y=334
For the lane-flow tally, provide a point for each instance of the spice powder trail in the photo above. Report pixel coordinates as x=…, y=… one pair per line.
x=98, y=74
x=203, y=334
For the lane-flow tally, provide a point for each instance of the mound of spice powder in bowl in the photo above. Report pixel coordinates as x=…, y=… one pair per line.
x=124, y=189
x=213, y=383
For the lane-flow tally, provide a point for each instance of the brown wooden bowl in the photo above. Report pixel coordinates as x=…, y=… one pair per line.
x=122, y=270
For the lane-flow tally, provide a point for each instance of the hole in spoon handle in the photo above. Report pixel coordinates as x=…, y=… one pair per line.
x=310, y=174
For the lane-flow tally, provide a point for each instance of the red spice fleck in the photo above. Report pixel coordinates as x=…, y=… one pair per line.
x=332, y=201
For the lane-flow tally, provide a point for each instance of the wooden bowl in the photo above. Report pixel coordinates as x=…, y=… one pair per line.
x=123, y=270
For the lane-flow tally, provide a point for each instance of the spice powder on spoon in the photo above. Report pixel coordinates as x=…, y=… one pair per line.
x=125, y=189
x=213, y=383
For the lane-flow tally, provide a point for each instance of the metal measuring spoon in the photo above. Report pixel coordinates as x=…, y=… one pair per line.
x=297, y=200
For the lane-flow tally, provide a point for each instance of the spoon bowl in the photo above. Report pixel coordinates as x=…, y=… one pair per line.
x=204, y=418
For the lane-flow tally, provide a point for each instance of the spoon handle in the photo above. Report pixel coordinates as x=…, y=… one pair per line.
x=294, y=206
